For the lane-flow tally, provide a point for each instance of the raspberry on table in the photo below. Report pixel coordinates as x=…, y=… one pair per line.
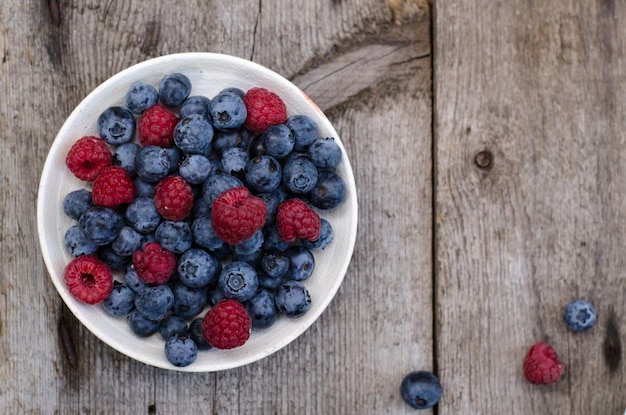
x=173, y=198
x=237, y=215
x=295, y=219
x=227, y=325
x=88, y=157
x=156, y=127
x=542, y=365
x=264, y=108
x=154, y=264
x=113, y=187
x=88, y=279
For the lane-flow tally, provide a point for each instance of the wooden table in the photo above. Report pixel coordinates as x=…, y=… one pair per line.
x=488, y=140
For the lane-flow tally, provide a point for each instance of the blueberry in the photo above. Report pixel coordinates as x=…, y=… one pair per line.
x=292, y=299
x=196, y=104
x=143, y=215
x=304, y=131
x=239, y=281
x=174, y=89
x=77, y=244
x=125, y=156
x=301, y=263
x=329, y=192
x=144, y=188
x=227, y=111
x=272, y=240
x=275, y=264
x=181, y=351
x=127, y=242
x=204, y=235
x=234, y=90
x=197, y=268
x=252, y=258
x=100, y=225
x=171, y=326
x=140, y=97
x=152, y=163
x=216, y=184
x=114, y=261
x=278, y=141
x=234, y=160
x=175, y=236
x=272, y=201
x=228, y=139
x=579, y=315
x=77, y=202
x=255, y=148
x=132, y=279
x=116, y=125
x=195, y=168
x=215, y=295
x=195, y=333
x=421, y=390
x=326, y=237
x=325, y=153
x=263, y=173
x=262, y=309
x=175, y=155
x=250, y=245
x=299, y=174
x=188, y=302
x=120, y=301
x=155, y=302
x=194, y=134
x=140, y=325
x=269, y=282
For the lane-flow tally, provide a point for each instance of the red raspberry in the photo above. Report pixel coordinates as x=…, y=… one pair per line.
x=237, y=215
x=264, y=108
x=88, y=279
x=541, y=365
x=155, y=264
x=295, y=219
x=87, y=157
x=113, y=187
x=173, y=198
x=227, y=325
x=156, y=127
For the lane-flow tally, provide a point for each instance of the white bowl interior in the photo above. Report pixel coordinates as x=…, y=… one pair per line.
x=209, y=73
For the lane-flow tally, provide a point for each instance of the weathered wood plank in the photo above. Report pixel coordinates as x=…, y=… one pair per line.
x=537, y=85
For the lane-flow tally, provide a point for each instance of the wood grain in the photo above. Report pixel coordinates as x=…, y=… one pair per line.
x=380, y=324
x=539, y=85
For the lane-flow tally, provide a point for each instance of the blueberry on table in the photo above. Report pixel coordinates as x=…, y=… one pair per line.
x=421, y=389
x=579, y=315
x=181, y=351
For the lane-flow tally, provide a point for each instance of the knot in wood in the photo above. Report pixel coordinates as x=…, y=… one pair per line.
x=484, y=160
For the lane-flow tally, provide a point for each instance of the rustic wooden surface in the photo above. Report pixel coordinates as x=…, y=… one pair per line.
x=488, y=156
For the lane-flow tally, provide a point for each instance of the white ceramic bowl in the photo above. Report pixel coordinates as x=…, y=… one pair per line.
x=209, y=73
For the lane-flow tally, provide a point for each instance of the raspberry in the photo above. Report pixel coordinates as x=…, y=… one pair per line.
x=156, y=127
x=154, y=264
x=541, y=365
x=227, y=325
x=88, y=279
x=237, y=215
x=295, y=219
x=113, y=187
x=173, y=198
x=87, y=157
x=264, y=108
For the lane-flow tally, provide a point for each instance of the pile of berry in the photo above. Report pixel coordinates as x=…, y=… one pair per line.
x=200, y=204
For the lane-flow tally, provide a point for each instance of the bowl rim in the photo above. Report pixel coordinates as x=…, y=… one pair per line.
x=50, y=162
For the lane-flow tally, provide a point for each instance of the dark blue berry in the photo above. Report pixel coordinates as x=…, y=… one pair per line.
x=301, y=263
x=269, y=282
x=227, y=111
x=234, y=90
x=194, y=134
x=132, y=279
x=140, y=97
x=77, y=202
x=233, y=160
x=100, y=225
x=188, y=302
x=143, y=215
x=125, y=156
x=152, y=163
x=216, y=184
x=204, y=235
x=272, y=201
x=262, y=309
x=155, y=302
x=195, y=333
x=120, y=301
x=181, y=351
x=171, y=326
x=144, y=188
x=263, y=174
x=421, y=390
x=255, y=148
x=215, y=295
x=174, y=89
x=175, y=236
x=325, y=153
x=304, y=131
x=175, y=155
x=112, y=259
x=275, y=264
x=252, y=258
x=272, y=240
x=228, y=139
x=299, y=174
x=579, y=315
x=292, y=299
x=329, y=192
x=326, y=237
x=140, y=325
x=278, y=141
x=195, y=168
x=197, y=268
x=77, y=244
x=127, y=242
x=196, y=104
x=239, y=281
x=116, y=125
x=250, y=245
